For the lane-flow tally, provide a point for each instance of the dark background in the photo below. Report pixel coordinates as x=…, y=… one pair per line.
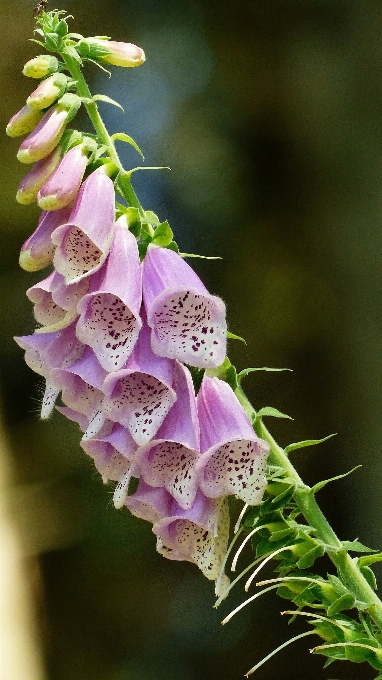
x=269, y=114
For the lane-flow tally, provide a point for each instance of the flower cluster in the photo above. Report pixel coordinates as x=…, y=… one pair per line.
x=117, y=334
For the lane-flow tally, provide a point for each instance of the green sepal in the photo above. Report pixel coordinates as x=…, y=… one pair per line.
x=121, y=136
x=246, y=371
x=62, y=28
x=320, y=485
x=306, y=442
x=163, y=235
x=69, y=139
x=108, y=100
x=369, y=575
x=173, y=246
x=72, y=53
x=281, y=498
x=53, y=42
x=232, y=336
x=226, y=371
x=270, y=411
x=346, y=601
x=311, y=556
x=133, y=221
x=150, y=217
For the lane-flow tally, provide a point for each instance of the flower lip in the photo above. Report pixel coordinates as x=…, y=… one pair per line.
x=83, y=243
x=187, y=322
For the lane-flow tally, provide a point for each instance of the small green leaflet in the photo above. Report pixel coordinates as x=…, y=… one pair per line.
x=108, y=100
x=246, y=371
x=356, y=546
x=307, y=442
x=270, y=411
x=320, y=485
x=122, y=137
x=232, y=336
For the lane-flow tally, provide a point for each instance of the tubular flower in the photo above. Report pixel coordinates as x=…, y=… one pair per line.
x=83, y=243
x=199, y=535
x=187, y=322
x=111, y=52
x=140, y=395
x=169, y=459
x=109, y=315
x=62, y=187
x=233, y=459
x=38, y=250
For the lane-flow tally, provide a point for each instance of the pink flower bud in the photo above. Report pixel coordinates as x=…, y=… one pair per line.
x=41, y=66
x=31, y=184
x=63, y=185
x=38, y=250
x=23, y=121
x=45, y=136
x=111, y=52
x=47, y=92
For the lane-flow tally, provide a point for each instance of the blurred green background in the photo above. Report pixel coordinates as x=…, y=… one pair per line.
x=269, y=114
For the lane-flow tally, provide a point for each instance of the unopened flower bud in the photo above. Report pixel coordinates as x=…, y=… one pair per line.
x=41, y=66
x=38, y=250
x=63, y=185
x=48, y=91
x=45, y=137
x=111, y=52
x=31, y=184
x=23, y=122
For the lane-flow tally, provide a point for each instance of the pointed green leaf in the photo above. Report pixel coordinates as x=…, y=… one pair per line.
x=320, y=485
x=232, y=336
x=122, y=137
x=270, y=411
x=163, y=235
x=246, y=371
x=133, y=220
x=310, y=557
x=307, y=442
x=99, y=66
x=202, y=257
x=369, y=559
x=151, y=218
x=108, y=100
x=356, y=546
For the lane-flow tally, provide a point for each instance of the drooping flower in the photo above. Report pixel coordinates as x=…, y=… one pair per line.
x=109, y=315
x=198, y=535
x=23, y=122
x=149, y=503
x=55, y=303
x=112, y=453
x=233, y=459
x=45, y=352
x=169, y=460
x=81, y=384
x=140, y=395
x=38, y=250
x=31, y=184
x=83, y=243
x=187, y=322
x=62, y=187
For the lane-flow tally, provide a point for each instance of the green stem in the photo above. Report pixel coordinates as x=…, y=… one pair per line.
x=124, y=183
x=306, y=502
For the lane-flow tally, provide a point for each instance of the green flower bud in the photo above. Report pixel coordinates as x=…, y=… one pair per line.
x=23, y=122
x=40, y=66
